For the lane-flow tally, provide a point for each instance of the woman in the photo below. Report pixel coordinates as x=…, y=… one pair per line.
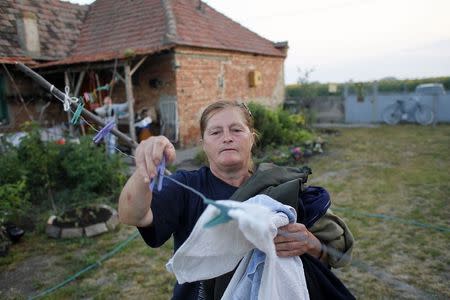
x=228, y=136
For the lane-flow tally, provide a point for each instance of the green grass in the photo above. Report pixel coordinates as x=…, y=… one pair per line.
x=401, y=171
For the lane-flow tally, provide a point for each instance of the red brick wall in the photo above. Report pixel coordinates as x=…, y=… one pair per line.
x=205, y=76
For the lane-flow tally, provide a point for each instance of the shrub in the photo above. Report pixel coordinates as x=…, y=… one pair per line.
x=39, y=162
x=89, y=173
x=279, y=127
x=14, y=202
x=60, y=176
x=10, y=166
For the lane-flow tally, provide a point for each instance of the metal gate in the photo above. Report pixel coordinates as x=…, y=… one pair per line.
x=169, y=117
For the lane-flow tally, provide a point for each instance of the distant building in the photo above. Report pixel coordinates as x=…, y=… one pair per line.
x=179, y=56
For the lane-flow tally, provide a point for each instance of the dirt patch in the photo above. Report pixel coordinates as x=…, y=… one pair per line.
x=22, y=280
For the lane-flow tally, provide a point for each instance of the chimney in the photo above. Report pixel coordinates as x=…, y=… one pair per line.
x=27, y=29
x=282, y=46
x=200, y=6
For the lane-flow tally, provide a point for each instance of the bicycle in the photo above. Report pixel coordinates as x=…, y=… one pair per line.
x=399, y=111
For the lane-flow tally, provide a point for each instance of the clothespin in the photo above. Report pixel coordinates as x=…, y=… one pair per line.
x=77, y=113
x=66, y=98
x=159, y=175
x=103, y=88
x=221, y=218
x=103, y=132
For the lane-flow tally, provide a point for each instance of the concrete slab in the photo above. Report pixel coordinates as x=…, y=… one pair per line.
x=95, y=229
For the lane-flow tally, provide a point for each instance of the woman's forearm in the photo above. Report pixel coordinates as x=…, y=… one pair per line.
x=134, y=202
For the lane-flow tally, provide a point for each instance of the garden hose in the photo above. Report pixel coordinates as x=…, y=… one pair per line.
x=111, y=253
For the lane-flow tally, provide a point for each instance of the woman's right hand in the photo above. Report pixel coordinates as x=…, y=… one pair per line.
x=149, y=154
x=135, y=198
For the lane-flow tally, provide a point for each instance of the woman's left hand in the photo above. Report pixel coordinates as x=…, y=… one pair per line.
x=296, y=240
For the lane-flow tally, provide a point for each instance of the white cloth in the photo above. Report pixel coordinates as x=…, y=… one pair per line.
x=211, y=252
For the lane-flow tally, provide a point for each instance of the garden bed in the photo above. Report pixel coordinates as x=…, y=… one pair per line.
x=86, y=221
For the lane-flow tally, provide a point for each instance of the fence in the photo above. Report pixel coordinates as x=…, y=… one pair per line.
x=365, y=106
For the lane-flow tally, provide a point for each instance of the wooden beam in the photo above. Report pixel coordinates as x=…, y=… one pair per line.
x=130, y=100
x=80, y=81
x=118, y=76
x=79, y=68
x=138, y=65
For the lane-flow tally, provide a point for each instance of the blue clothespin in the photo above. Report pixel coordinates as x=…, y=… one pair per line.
x=159, y=175
x=104, y=132
x=77, y=113
x=221, y=218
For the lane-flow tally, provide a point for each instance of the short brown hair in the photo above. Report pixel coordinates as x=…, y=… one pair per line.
x=222, y=104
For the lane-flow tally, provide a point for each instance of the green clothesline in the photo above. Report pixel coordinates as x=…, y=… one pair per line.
x=393, y=219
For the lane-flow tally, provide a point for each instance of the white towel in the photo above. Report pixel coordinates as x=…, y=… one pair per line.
x=211, y=252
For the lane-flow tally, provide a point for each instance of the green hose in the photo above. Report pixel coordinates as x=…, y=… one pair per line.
x=111, y=253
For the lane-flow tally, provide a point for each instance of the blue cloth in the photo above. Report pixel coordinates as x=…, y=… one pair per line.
x=314, y=203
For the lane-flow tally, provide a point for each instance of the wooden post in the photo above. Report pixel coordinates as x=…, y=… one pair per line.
x=67, y=83
x=130, y=100
x=80, y=81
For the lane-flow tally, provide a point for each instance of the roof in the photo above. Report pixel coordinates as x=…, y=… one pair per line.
x=58, y=27
x=198, y=24
x=112, y=28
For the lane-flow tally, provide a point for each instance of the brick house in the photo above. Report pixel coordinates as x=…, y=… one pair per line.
x=175, y=54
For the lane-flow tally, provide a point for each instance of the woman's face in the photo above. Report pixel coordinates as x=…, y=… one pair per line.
x=227, y=140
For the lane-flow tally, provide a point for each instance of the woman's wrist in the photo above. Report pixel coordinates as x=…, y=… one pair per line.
x=315, y=246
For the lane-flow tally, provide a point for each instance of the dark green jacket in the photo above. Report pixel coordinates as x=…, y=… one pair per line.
x=284, y=184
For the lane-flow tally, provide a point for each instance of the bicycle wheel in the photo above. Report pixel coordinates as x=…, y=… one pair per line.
x=392, y=114
x=424, y=115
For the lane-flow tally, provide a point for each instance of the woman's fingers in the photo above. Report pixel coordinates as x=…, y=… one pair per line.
x=290, y=253
x=169, y=152
x=162, y=146
x=284, y=236
x=293, y=239
x=149, y=154
x=293, y=227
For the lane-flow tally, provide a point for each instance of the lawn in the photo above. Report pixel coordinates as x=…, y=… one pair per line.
x=390, y=184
